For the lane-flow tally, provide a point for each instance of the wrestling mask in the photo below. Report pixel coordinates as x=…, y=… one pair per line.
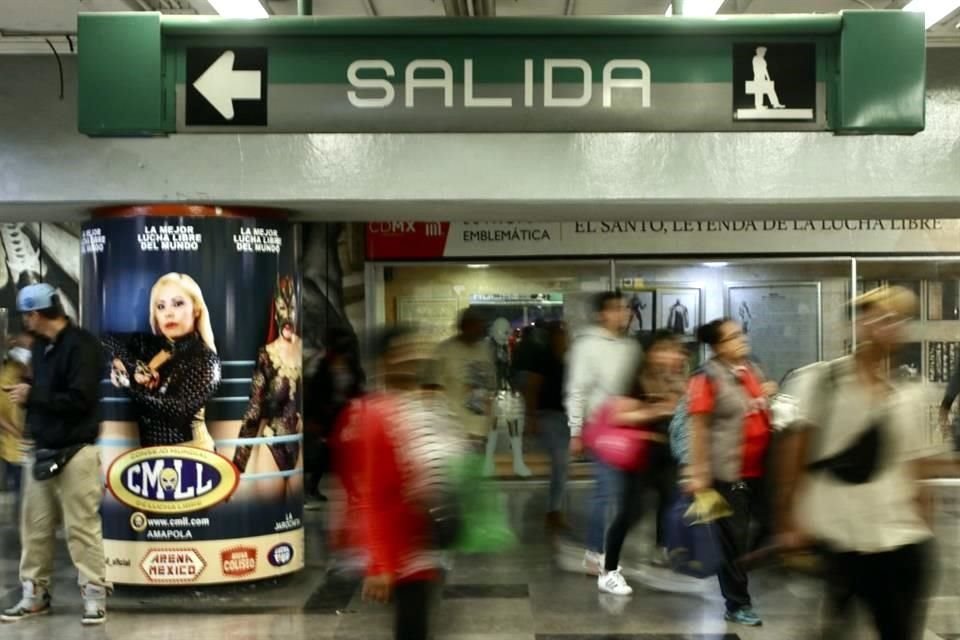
x=285, y=305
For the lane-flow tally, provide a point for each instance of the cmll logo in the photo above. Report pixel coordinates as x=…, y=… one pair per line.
x=171, y=479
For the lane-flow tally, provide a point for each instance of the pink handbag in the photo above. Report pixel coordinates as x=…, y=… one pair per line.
x=622, y=447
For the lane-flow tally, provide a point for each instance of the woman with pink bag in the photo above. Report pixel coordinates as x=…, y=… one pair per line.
x=630, y=433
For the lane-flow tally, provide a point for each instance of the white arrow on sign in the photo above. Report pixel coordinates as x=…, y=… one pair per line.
x=221, y=84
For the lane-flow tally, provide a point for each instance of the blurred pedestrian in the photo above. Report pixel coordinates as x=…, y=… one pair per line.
x=464, y=368
x=544, y=369
x=338, y=379
x=729, y=417
x=848, y=476
x=14, y=370
x=658, y=386
x=402, y=439
x=601, y=362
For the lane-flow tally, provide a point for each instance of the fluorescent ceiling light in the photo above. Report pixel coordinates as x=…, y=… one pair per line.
x=698, y=7
x=715, y=265
x=478, y=266
x=239, y=8
x=935, y=10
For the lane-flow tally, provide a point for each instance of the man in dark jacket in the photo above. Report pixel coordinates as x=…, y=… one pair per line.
x=61, y=403
x=338, y=379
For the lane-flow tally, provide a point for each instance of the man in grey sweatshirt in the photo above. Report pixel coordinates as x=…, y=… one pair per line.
x=601, y=364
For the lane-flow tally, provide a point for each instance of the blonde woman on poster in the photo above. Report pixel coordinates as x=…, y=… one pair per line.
x=172, y=372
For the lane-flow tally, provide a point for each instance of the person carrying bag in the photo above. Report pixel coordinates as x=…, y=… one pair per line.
x=730, y=432
x=629, y=434
x=64, y=481
x=848, y=478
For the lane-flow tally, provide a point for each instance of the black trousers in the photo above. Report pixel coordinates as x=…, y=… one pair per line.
x=664, y=485
x=745, y=499
x=660, y=476
x=892, y=585
x=412, y=609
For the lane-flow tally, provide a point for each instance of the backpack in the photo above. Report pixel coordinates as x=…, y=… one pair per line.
x=679, y=429
x=431, y=447
x=679, y=433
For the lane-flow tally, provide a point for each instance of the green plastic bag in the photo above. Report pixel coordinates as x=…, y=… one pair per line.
x=485, y=527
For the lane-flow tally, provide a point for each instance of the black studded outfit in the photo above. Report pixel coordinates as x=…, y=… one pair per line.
x=274, y=408
x=167, y=414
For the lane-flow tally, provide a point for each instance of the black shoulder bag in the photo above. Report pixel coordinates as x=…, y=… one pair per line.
x=48, y=463
x=859, y=462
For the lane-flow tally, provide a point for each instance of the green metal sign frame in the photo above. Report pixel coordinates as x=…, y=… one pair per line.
x=633, y=73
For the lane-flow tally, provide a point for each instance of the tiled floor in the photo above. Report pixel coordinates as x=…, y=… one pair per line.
x=519, y=595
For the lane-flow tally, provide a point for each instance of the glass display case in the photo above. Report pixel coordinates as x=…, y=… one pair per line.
x=932, y=354
x=795, y=311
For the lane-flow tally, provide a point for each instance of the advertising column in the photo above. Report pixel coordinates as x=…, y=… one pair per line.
x=198, y=309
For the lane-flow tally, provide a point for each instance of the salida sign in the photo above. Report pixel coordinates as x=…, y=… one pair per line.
x=731, y=73
x=372, y=83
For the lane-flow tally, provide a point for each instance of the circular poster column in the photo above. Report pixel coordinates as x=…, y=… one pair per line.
x=198, y=309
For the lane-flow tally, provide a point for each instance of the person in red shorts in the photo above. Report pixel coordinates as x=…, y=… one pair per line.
x=730, y=433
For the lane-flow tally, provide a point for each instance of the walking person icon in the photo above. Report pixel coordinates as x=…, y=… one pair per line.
x=775, y=82
x=762, y=86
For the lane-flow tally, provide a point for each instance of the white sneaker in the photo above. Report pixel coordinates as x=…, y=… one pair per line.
x=35, y=602
x=593, y=563
x=94, y=604
x=613, y=583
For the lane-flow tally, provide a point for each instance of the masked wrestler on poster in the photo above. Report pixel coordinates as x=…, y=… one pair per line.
x=172, y=372
x=276, y=389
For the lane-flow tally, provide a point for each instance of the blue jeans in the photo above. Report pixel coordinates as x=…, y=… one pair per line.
x=606, y=497
x=555, y=438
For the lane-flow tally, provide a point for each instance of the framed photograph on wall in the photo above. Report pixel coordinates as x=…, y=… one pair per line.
x=907, y=362
x=642, y=306
x=942, y=360
x=943, y=300
x=782, y=322
x=678, y=309
x=434, y=316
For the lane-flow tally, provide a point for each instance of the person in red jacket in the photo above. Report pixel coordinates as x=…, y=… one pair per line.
x=376, y=439
x=347, y=527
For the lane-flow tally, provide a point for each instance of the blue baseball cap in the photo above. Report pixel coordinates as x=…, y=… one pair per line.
x=35, y=297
